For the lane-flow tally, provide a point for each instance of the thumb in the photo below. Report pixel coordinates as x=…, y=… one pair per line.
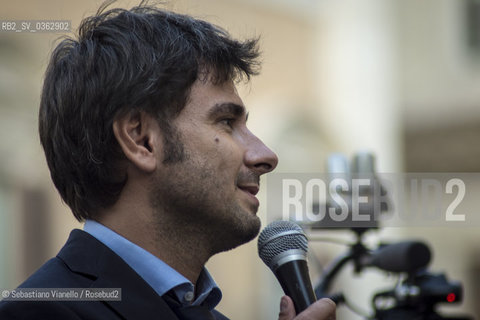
x=323, y=309
x=287, y=309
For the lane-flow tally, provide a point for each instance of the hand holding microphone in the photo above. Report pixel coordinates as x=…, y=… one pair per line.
x=283, y=247
x=323, y=309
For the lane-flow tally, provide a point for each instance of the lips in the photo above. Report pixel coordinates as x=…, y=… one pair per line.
x=253, y=189
x=249, y=183
x=250, y=191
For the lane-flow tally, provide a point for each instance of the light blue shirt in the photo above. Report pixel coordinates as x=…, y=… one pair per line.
x=160, y=276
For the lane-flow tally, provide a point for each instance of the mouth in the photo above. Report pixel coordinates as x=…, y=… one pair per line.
x=250, y=189
x=249, y=183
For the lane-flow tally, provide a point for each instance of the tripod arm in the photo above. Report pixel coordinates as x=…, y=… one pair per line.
x=330, y=273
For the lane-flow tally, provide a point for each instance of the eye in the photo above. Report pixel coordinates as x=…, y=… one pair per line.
x=228, y=122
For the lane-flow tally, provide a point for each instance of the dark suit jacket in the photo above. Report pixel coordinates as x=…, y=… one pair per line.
x=85, y=262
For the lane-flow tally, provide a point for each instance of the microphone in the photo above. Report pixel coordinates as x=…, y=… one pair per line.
x=407, y=256
x=283, y=247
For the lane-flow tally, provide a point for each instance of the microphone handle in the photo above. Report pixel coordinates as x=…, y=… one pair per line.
x=295, y=281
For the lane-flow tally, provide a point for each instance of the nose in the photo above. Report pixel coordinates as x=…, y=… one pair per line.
x=258, y=157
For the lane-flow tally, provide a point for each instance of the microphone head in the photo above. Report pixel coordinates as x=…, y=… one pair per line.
x=281, y=242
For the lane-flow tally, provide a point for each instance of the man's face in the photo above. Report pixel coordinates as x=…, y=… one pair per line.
x=211, y=191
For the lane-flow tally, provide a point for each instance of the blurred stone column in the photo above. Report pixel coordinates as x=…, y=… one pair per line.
x=357, y=88
x=357, y=78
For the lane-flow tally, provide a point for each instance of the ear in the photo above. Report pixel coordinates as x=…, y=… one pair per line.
x=137, y=134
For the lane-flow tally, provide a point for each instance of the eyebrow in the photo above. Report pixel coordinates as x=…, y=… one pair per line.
x=227, y=108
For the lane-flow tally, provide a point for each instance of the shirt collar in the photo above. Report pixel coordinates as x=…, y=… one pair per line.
x=159, y=275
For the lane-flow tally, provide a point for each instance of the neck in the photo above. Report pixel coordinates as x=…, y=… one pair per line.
x=176, y=244
x=180, y=247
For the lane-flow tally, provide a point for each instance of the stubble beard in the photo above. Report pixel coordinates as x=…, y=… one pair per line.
x=193, y=202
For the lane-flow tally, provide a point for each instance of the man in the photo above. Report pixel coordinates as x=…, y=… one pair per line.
x=146, y=140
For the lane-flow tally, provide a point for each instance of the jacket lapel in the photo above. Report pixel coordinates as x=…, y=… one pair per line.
x=86, y=255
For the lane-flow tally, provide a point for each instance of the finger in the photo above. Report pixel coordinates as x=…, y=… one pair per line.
x=287, y=309
x=323, y=309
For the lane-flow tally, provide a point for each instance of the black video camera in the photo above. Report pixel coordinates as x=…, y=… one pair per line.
x=417, y=297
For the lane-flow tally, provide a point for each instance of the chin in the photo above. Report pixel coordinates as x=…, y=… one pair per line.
x=239, y=233
x=250, y=231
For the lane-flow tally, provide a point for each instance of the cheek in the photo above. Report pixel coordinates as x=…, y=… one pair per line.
x=228, y=153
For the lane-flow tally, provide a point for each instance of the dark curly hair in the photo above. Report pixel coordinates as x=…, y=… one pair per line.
x=143, y=59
